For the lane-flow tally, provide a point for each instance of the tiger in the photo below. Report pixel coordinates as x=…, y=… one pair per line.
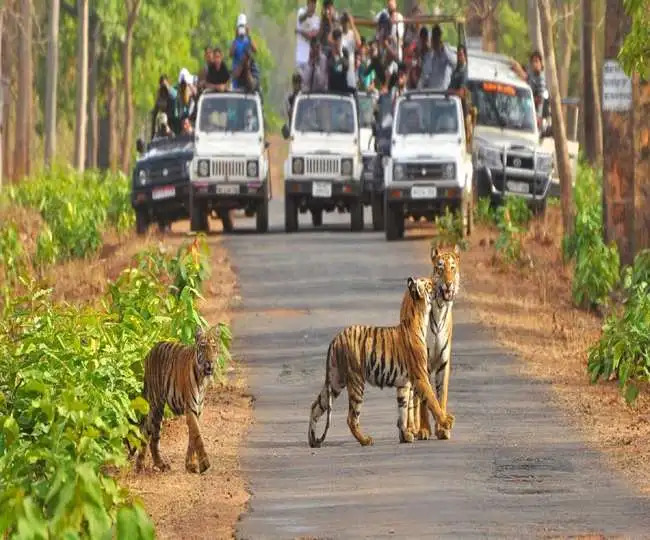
x=381, y=356
x=446, y=278
x=178, y=375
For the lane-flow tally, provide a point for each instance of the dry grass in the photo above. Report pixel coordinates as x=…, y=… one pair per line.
x=531, y=312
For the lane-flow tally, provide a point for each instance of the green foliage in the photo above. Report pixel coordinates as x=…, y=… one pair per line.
x=70, y=385
x=513, y=32
x=76, y=208
x=484, y=214
x=449, y=230
x=12, y=254
x=635, y=53
x=597, y=265
x=512, y=220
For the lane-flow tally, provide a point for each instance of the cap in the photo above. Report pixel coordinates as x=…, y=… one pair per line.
x=241, y=20
x=184, y=75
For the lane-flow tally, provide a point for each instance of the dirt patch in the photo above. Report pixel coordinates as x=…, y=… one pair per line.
x=531, y=313
x=185, y=505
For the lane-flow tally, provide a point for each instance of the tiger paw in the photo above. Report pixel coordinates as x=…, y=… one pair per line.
x=191, y=467
x=367, y=441
x=424, y=434
x=204, y=465
x=443, y=434
x=406, y=437
x=447, y=422
x=162, y=465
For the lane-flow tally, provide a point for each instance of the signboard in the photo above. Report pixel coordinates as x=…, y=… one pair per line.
x=617, y=88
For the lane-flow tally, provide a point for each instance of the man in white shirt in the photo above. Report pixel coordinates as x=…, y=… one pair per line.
x=307, y=27
x=351, y=41
x=397, y=25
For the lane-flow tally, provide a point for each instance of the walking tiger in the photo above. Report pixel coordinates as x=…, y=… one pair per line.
x=381, y=356
x=178, y=375
x=446, y=279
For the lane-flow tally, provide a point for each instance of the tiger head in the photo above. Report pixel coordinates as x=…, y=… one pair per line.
x=446, y=272
x=207, y=349
x=421, y=291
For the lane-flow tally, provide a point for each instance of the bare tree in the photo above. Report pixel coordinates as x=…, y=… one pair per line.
x=51, y=81
x=23, y=105
x=559, y=128
x=82, y=85
x=534, y=27
x=591, y=115
x=482, y=20
x=132, y=8
x=94, y=53
x=566, y=17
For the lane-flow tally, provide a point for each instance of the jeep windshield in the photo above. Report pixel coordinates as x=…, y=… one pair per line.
x=427, y=117
x=325, y=115
x=221, y=114
x=503, y=106
x=366, y=110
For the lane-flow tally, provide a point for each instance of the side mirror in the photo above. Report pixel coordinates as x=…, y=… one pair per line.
x=285, y=131
x=140, y=146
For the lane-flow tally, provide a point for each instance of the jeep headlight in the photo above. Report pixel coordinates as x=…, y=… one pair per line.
x=346, y=167
x=449, y=171
x=545, y=162
x=398, y=172
x=203, y=168
x=252, y=168
x=298, y=165
x=142, y=176
x=491, y=157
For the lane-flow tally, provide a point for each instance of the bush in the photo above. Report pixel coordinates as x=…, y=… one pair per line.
x=12, y=254
x=512, y=219
x=70, y=385
x=484, y=213
x=449, y=230
x=597, y=265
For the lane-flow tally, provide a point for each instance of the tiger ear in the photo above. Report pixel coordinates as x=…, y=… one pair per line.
x=457, y=250
x=435, y=253
x=413, y=289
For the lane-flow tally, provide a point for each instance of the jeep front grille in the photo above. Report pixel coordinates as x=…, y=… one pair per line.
x=322, y=166
x=228, y=168
x=520, y=161
x=424, y=171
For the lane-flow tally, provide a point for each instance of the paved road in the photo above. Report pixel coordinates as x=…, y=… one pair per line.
x=513, y=468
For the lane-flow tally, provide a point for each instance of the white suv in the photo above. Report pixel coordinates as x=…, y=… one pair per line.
x=230, y=166
x=429, y=168
x=323, y=169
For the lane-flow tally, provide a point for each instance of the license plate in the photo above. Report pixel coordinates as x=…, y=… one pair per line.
x=424, y=192
x=228, y=189
x=518, y=187
x=321, y=189
x=163, y=193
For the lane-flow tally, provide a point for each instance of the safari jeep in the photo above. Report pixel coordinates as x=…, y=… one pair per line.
x=323, y=170
x=230, y=167
x=508, y=156
x=429, y=168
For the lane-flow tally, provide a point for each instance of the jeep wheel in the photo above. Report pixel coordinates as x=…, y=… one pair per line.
x=317, y=217
x=394, y=221
x=290, y=214
x=377, y=204
x=141, y=222
x=199, y=219
x=262, y=216
x=226, y=220
x=356, y=215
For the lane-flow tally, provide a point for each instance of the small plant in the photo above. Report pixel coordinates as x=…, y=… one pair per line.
x=484, y=213
x=12, y=254
x=508, y=244
x=449, y=230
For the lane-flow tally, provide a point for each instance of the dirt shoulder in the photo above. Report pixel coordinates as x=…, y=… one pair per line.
x=531, y=313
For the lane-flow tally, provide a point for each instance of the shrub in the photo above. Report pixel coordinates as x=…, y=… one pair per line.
x=512, y=218
x=12, y=254
x=449, y=230
x=484, y=213
x=597, y=265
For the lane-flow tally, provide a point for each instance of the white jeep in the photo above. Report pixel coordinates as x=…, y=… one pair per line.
x=230, y=166
x=429, y=167
x=323, y=169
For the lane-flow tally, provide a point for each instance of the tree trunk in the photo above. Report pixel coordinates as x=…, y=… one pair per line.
x=23, y=130
x=82, y=85
x=133, y=7
x=112, y=125
x=490, y=25
x=51, y=81
x=8, y=60
x=93, y=113
x=618, y=149
x=591, y=113
x=567, y=18
x=534, y=27
x=641, y=108
x=559, y=128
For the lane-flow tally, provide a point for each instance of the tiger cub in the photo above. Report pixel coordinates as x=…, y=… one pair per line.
x=381, y=356
x=446, y=278
x=178, y=375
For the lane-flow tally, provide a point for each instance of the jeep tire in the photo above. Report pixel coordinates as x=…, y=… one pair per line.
x=199, y=219
x=377, y=206
x=262, y=215
x=226, y=220
x=356, y=215
x=317, y=217
x=141, y=221
x=394, y=221
x=290, y=214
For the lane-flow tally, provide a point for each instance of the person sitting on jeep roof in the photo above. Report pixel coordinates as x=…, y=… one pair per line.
x=165, y=103
x=163, y=131
x=186, y=96
x=338, y=64
x=438, y=63
x=314, y=76
x=245, y=76
x=534, y=77
x=218, y=75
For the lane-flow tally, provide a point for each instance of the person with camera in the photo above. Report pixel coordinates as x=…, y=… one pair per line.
x=307, y=28
x=165, y=103
x=338, y=64
x=315, y=75
x=242, y=45
x=438, y=64
x=327, y=24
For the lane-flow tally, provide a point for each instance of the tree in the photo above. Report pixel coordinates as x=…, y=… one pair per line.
x=51, y=82
x=559, y=128
x=23, y=105
x=593, y=139
x=82, y=86
x=482, y=20
x=566, y=18
x=534, y=27
x=132, y=8
x=635, y=52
